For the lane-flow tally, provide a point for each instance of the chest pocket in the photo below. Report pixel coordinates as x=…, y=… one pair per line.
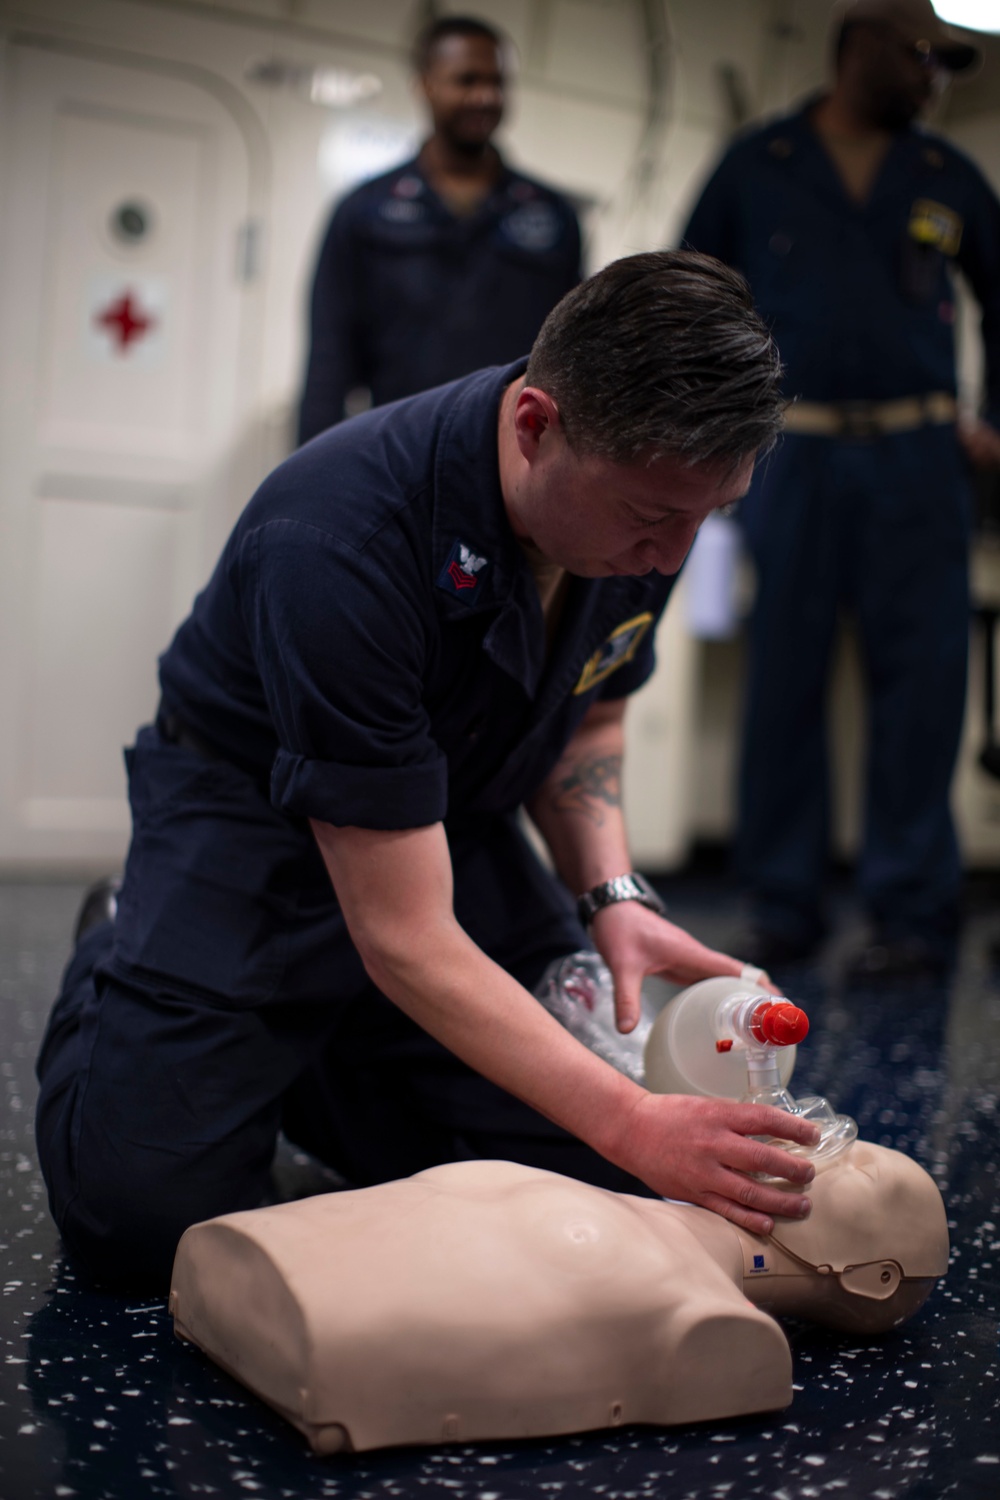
x=789, y=252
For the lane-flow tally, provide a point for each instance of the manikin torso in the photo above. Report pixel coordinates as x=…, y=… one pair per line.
x=490, y=1300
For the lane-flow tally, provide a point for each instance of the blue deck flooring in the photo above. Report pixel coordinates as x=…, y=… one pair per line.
x=99, y=1401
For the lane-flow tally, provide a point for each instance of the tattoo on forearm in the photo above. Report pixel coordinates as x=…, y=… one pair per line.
x=590, y=787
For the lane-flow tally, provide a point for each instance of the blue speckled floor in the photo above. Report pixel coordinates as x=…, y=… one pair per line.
x=97, y=1399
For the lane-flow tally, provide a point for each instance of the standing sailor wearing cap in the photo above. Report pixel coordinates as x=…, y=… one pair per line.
x=849, y=222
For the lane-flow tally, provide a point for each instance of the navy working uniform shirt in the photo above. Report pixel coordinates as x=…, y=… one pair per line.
x=859, y=296
x=407, y=295
x=370, y=651
x=372, y=638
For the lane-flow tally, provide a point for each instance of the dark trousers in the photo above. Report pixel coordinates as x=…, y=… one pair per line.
x=227, y=1002
x=879, y=529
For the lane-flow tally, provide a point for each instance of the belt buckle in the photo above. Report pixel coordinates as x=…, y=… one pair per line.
x=858, y=421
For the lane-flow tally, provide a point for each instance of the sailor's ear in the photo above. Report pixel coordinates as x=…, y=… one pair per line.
x=536, y=418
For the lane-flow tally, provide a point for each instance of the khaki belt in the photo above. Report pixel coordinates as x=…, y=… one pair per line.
x=870, y=419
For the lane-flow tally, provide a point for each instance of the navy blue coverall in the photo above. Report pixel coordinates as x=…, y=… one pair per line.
x=861, y=302
x=407, y=295
x=370, y=651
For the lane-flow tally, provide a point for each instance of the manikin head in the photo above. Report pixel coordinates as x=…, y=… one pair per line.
x=649, y=392
x=867, y=1257
x=890, y=56
x=461, y=73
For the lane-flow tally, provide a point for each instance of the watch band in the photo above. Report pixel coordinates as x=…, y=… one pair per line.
x=631, y=887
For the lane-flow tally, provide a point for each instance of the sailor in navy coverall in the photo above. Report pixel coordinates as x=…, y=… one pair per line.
x=407, y=295
x=417, y=284
x=364, y=694
x=865, y=505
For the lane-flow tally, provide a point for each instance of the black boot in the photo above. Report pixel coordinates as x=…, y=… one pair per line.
x=99, y=904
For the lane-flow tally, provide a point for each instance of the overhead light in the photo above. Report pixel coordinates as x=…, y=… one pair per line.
x=335, y=88
x=974, y=15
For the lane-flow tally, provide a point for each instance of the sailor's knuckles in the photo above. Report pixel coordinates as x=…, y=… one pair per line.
x=698, y=1150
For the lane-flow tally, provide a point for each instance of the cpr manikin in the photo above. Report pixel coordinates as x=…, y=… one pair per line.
x=486, y=1300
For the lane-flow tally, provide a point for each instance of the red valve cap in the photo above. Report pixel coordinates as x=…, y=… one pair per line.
x=782, y=1023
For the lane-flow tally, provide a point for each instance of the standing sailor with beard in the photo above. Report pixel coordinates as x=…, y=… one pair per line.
x=446, y=264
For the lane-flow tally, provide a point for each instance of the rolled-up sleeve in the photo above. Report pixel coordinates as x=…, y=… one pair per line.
x=341, y=636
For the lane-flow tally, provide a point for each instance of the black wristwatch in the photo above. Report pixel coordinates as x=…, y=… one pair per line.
x=630, y=887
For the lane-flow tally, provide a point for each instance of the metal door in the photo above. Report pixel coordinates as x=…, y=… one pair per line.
x=126, y=385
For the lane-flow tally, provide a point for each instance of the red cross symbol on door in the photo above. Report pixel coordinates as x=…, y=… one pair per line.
x=125, y=321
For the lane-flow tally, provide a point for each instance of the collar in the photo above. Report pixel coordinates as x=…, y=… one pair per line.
x=410, y=181
x=478, y=565
x=793, y=140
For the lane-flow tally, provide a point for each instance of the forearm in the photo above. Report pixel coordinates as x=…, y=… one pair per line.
x=395, y=891
x=578, y=808
x=486, y=1018
x=424, y=962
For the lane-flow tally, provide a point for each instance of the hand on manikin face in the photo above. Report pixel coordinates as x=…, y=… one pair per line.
x=703, y=1151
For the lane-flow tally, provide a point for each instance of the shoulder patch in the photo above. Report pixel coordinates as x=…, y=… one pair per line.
x=532, y=225
x=619, y=648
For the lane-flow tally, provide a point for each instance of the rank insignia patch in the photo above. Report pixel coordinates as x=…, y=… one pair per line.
x=620, y=647
x=934, y=224
x=462, y=573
